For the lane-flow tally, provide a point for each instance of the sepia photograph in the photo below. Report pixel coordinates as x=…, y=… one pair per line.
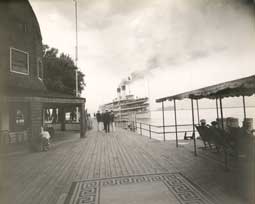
x=127, y=101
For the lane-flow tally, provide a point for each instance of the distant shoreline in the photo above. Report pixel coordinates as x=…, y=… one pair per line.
x=209, y=108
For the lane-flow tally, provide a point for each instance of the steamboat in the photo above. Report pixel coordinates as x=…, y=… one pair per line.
x=127, y=106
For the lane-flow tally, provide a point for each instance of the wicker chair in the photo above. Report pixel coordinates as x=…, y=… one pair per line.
x=205, y=136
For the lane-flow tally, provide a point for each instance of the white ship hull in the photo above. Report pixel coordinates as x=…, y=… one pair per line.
x=134, y=116
x=143, y=115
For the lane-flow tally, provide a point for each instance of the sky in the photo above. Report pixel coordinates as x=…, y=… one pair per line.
x=165, y=46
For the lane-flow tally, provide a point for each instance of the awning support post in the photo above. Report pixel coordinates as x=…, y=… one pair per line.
x=193, y=125
x=244, y=108
x=198, y=115
x=175, y=120
x=163, y=117
x=222, y=124
x=221, y=114
x=217, y=108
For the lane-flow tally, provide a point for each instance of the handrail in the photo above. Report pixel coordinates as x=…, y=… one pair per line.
x=160, y=126
x=139, y=126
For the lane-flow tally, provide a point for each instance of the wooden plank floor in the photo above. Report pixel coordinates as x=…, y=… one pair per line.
x=45, y=177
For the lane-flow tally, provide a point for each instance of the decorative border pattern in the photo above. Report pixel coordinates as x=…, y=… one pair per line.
x=88, y=191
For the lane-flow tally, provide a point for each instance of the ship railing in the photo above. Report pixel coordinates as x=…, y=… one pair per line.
x=185, y=131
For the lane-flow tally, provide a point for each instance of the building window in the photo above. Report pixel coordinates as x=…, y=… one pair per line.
x=19, y=61
x=18, y=118
x=39, y=69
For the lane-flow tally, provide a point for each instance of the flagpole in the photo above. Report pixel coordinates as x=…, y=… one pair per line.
x=76, y=49
x=76, y=57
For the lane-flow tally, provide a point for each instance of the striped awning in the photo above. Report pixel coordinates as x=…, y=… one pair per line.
x=239, y=87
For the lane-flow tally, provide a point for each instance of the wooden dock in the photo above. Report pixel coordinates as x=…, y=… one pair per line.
x=46, y=177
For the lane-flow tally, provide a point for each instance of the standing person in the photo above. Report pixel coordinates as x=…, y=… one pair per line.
x=54, y=116
x=103, y=120
x=99, y=120
x=112, y=120
x=89, y=121
x=72, y=116
x=107, y=121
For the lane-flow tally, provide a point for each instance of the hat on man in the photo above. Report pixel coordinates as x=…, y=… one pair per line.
x=214, y=123
x=203, y=121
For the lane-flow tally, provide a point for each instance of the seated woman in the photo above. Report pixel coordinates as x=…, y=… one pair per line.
x=203, y=132
x=45, y=139
x=244, y=139
x=203, y=123
x=217, y=135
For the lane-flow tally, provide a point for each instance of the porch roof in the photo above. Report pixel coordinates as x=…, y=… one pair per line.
x=43, y=96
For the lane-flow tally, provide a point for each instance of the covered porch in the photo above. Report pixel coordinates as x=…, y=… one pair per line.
x=23, y=115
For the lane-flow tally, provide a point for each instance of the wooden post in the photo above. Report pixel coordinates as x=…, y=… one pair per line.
x=198, y=115
x=222, y=124
x=175, y=124
x=244, y=108
x=217, y=108
x=82, y=121
x=62, y=118
x=35, y=112
x=163, y=115
x=221, y=114
x=185, y=135
x=193, y=124
x=252, y=175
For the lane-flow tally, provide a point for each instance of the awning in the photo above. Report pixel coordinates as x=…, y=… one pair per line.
x=239, y=87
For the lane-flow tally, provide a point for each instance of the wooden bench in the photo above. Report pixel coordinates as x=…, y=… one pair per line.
x=7, y=137
x=187, y=137
x=4, y=137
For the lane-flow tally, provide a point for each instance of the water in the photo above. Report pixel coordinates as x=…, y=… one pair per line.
x=185, y=117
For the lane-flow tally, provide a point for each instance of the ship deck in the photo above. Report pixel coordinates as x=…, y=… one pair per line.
x=120, y=163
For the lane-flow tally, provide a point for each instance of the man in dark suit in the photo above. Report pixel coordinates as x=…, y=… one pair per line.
x=112, y=120
x=99, y=119
x=107, y=119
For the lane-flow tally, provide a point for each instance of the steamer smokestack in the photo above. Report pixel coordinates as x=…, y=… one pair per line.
x=118, y=93
x=123, y=89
